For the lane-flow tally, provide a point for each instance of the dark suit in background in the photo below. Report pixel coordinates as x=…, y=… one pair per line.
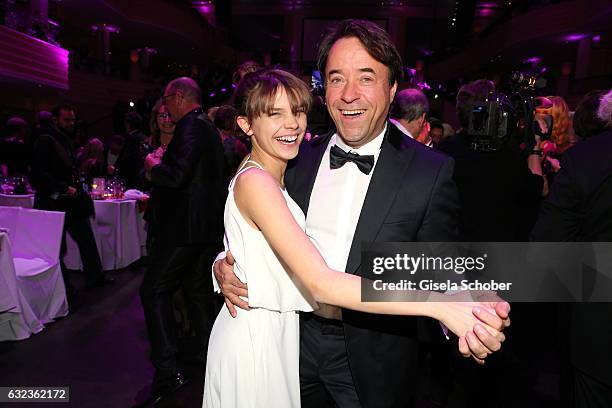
x=579, y=208
x=54, y=169
x=499, y=195
x=411, y=197
x=130, y=163
x=186, y=227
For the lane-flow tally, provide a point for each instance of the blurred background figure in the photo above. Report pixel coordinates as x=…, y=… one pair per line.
x=15, y=152
x=436, y=131
x=234, y=149
x=91, y=160
x=243, y=69
x=162, y=127
x=561, y=131
x=579, y=209
x=113, y=153
x=131, y=166
x=586, y=123
x=44, y=122
x=59, y=188
x=409, y=113
x=604, y=112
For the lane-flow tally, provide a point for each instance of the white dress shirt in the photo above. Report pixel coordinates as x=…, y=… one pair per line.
x=407, y=132
x=335, y=205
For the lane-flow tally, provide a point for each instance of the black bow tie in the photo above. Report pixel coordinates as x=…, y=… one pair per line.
x=337, y=158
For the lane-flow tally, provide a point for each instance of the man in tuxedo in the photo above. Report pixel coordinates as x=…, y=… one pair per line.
x=579, y=208
x=55, y=178
x=186, y=227
x=363, y=182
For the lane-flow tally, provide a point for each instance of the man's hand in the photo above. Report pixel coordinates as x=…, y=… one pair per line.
x=232, y=288
x=478, y=318
x=486, y=338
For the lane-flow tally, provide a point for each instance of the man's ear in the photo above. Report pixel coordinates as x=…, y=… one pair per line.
x=244, y=125
x=392, y=91
x=423, y=119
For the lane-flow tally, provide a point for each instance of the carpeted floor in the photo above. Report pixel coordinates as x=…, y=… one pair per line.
x=100, y=351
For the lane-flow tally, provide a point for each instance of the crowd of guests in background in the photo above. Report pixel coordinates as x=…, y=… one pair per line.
x=149, y=128
x=500, y=192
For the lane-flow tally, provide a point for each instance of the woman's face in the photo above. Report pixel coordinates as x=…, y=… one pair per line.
x=279, y=132
x=164, y=121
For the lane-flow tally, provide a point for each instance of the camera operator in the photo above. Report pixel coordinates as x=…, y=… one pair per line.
x=499, y=190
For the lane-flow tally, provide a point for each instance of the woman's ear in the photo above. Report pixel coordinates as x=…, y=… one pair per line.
x=244, y=125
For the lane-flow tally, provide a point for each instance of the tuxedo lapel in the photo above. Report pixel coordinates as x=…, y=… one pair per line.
x=391, y=166
x=304, y=169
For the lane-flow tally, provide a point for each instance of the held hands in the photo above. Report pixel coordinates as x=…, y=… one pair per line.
x=478, y=320
x=478, y=324
x=232, y=288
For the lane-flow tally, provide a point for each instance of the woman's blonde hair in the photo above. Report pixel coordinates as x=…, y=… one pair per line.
x=561, y=133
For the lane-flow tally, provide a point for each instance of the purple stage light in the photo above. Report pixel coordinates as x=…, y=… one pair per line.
x=223, y=90
x=532, y=60
x=596, y=38
x=574, y=37
x=205, y=7
x=211, y=95
x=486, y=12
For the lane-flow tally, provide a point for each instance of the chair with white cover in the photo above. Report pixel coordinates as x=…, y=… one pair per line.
x=37, y=240
x=17, y=320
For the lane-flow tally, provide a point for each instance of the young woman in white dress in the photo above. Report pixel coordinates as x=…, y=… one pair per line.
x=253, y=359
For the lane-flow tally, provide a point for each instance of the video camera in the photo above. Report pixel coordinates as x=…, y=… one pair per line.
x=498, y=118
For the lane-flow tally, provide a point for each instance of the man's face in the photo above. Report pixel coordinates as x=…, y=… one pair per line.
x=66, y=120
x=357, y=93
x=436, y=134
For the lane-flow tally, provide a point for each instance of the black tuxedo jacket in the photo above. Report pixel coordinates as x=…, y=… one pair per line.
x=579, y=208
x=54, y=169
x=188, y=196
x=411, y=197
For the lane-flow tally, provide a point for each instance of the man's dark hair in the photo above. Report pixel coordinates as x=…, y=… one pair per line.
x=134, y=121
x=435, y=123
x=469, y=93
x=409, y=104
x=586, y=121
x=225, y=118
x=55, y=112
x=375, y=40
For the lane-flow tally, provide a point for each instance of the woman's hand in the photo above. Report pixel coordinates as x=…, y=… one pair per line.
x=478, y=325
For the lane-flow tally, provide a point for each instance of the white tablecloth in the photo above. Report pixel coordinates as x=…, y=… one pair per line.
x=120, y=233
x=25, y=201
x=17, y=320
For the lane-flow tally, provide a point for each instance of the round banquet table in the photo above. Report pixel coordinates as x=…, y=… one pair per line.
x=120, y=232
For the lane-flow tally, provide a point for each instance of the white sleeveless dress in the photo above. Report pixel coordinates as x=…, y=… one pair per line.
x=253, y=359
